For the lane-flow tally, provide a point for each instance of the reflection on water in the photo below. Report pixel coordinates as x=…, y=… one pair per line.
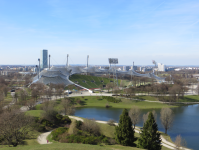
x=186, y=121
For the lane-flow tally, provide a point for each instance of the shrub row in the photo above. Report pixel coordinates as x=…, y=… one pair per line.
x=94, y=140
x=42, y=123
x=111, y=99
x=55, y=133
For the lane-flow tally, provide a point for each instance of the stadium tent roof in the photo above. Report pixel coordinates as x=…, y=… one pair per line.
x=61, y=75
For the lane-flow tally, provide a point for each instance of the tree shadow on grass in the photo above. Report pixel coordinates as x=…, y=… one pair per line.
x=82, y=103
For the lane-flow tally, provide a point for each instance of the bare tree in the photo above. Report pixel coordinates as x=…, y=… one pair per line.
x=30, y=104
x=49, y=93
x=116, y=90
x=67, y=106
x=197, y=90
x=166, y=116
x=15, y=127
x=179, y=142
x=16, y=96
x=91, y=126
x=1, y=97
x=35, y=94
x=145, y=116
x=5, y=90
x=49, y=110
x=59, y=92
x=134, y=114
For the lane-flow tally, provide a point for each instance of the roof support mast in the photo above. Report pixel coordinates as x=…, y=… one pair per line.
x=67, y=61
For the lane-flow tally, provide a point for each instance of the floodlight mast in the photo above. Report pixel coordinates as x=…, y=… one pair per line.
x=37, y=71
x=114, y=61
x=87, y=64
x=39, y=65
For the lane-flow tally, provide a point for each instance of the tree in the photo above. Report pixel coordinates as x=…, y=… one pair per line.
x=5, y=90
x=1, y=97
x=179, y=142
x=134, y=114
x=15, y=127
x=145, y=116
x=116, y=90
x=91, y=127
x=124, y=131
x=67, y=107
x=30, y=104
x=166, y=116
x=197, y=89
x=16, y=96
x=149, y=136
x=34, y=94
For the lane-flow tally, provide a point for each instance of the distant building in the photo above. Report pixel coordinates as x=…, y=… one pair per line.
x=161, y=67
x=128, y=68
x=148, y=69
x=44, y=59
x=124, y=68
x=134, y=68
x=170, y=69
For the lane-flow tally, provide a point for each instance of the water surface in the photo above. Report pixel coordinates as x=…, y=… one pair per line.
x=186, y=120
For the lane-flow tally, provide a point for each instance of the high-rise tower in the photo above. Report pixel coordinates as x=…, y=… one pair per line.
x=44, y=59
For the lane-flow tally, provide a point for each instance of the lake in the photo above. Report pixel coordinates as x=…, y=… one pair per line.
x=186, y=120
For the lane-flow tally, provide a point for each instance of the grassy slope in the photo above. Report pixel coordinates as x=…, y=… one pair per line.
x=88, y=79
x=189, y=98
x=71, y=146
x=145, y=97
x=94, y=101
x=34, y=113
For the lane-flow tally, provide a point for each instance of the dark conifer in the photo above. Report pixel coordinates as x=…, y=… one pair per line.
x=124, y=131
x=149, y=136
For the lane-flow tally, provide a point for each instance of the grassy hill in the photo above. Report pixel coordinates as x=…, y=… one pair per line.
x=71, y=146
x=90, y=81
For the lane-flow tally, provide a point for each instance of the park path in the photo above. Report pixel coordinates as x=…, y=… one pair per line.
x=42, y=139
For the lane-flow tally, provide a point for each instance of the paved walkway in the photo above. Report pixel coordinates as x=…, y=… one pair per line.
x=42, y=138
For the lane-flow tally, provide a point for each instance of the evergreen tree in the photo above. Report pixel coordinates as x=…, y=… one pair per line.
x=149, y=136
x=124, y=131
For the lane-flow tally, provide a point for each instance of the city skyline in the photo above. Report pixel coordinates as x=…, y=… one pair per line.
x=139, y=31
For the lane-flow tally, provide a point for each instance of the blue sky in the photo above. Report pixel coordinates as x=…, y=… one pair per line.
x=131, y=30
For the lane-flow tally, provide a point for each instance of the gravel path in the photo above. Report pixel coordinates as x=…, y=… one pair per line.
x=42, y=138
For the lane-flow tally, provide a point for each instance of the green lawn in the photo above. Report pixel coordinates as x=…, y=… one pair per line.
x=97, y=101
x=189, y=98
x=34, y=113
x=71, y=146
x=87, y=81
x=146, y=97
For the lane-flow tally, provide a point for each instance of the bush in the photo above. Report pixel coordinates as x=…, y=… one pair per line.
x=111, y=122
x=46, y=123
x=55, y=133
x=78, y=124
x=111, y=99
x=87, y=139
x=40, y=128
x=91, y=127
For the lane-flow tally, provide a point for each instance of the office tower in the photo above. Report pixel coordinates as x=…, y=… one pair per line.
x=44, y=59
